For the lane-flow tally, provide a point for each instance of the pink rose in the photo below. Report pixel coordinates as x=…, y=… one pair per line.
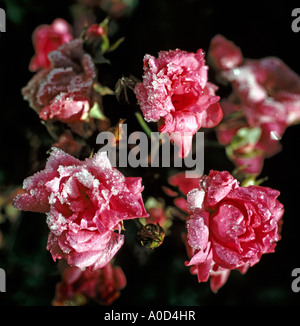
x=85, y=203
x=47, y=38
x=265, y=79
x=230, y=227
x=64, y=92
x=266, y=96
x=77, y=285
x=176, y=94
x=263, y=82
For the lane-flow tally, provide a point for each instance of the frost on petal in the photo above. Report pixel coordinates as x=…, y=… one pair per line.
x=217, y=185
x=198, y=231
x=60, y=158
x=36, y=199
x=66, y=107
x=225, y=257
x=99, y=162
x=195, y=200
x=64, y=91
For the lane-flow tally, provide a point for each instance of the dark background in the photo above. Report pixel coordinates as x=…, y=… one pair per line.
x=260, y=29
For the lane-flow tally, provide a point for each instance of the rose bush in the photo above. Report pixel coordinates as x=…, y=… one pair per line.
x=86, y=203
x=230, y=227
x=176, y=94
x=227, y=226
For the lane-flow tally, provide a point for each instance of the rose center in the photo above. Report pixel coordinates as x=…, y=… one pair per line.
x=183, y=101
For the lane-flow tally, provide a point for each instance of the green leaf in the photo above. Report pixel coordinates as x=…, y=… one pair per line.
x=105, y=43
x=245, y=136
x=96, y=113
x=103, y=90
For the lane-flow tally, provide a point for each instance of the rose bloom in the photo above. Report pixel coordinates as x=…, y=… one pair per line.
x=86, y=203
x=247, y=151
x=64, y=91
x=102, y=286
x=176, y=94
x=47, y=38
x=230, y=227
x=266, y=94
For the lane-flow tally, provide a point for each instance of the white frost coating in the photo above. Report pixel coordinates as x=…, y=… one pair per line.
x=195, y=199
x=57, y=222
x=197, y=233
x=101, y=160
x=53, y=185
x=52, y=199
x=86, y=178
x=105, y=194
x=247, y=82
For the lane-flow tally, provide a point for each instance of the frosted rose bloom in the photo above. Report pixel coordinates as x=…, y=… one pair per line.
x=47, y=38
x=176, y=94
x=230, y=227
x=64, y=91
x=267, y=81
x=85, y=203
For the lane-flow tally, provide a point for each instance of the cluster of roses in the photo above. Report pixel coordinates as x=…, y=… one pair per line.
x=229, y=225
